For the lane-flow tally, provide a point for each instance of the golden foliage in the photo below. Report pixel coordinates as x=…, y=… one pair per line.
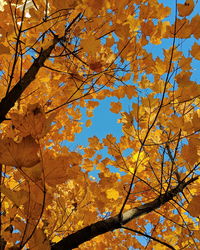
x=58, y=61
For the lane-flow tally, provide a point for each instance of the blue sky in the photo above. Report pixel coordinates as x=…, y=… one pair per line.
x=105, y=122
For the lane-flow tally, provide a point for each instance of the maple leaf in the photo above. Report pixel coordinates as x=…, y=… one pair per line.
x=115, y=107
x=186, y=8
x=91, y=45
x=194, y=26
x=183, y=78
x=55, y=169
x=33, y=122
x=112, y=194
x=130, y=91
x=127, y=119
x=195, y=52
x=88, y=123
x=39, y=241
x=96, y=66
x=138, y=162
x=189, y=150
x=4, y=49
x=19, y=154
x=193, y=206
x=57, y=63
x=17, y=197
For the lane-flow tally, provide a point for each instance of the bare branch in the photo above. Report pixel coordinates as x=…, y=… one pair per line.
x=149, y=236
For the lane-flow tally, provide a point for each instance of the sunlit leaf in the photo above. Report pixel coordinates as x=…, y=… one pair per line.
x=112, y=194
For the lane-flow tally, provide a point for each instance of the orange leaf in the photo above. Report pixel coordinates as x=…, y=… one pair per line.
x=183, y=78
x=195, y=52
x=39, y=240
x=17, y=197
x=130, y=91
x=195, y=22
x=90, y=45
x=193, y=207
x=110, y=139
x=115, y=107
x=4, y=49
x=34, y=122
x=96, y=66
x=55, y=169
x=186, y=8
x=127, y=119
x=88, y=123
x=189, y=152
x=22, y=154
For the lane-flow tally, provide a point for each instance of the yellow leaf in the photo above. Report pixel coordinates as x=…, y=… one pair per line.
x=186, y=8
x=133, y=23
x=157, y=246
x=161, y=66
x=57, y=238
x=195, y=52
x=139, y=157
x=127, y=119
x=138, y=160
x=12, y=183
x=112, y=194
x=2, y=3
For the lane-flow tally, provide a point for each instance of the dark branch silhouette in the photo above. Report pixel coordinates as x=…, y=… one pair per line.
x=116, y=222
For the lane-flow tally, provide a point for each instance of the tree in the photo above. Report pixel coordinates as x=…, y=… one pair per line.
x=60, y=59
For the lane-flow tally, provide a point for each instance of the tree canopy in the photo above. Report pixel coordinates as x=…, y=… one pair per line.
x=59, y=60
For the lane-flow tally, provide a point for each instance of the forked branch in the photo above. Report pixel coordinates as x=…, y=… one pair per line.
x=14, y=94
x=116, y=222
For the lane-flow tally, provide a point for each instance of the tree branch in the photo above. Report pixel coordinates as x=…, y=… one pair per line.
x=9, y=100
x=12, y=96
x=149, y=236
x=116, y=222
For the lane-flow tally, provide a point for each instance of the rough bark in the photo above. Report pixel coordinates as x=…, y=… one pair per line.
x=74, y=240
